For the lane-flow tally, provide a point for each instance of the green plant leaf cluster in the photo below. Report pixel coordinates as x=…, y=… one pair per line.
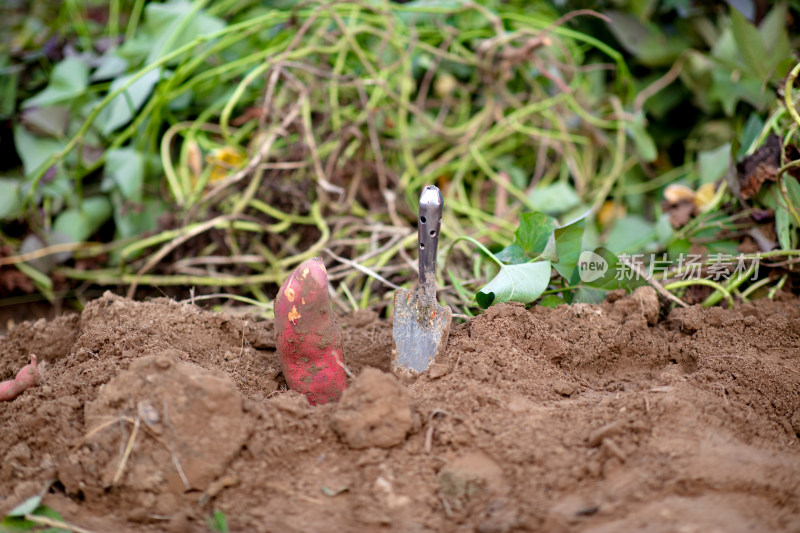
x=16, y=522
x=541, y=250
x=142, y=137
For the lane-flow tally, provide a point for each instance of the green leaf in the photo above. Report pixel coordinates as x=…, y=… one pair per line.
x=785, y=224
x=69, y=79
x=645, y=41
x=111, y=65
x=26, y=507
x=613, y=269
x=783, y=227
x=10, y=199
x=9, y=87
x=218, y=522
x=555, y=198
x=551, y=300
x=724, y=50
x=643, y=141
x=664, y=230
x=750, y=45
x=568, y=247
x=792, y=190
x=18, y=523
x=518, y=176
x=550, y=253
x=752, y=129
x=678, y=247
x=534, y=231
x=125, y=168
x=589, y=295
x=51, y=121
x=122, y=107
x=631, y=234
x=174, y=24
x=513, y=254
x=80, y=223
x=725, y=246
x=516, y=283
x=775, y=38
x=32, y=149
x=728, y=92
x=41, y=280
x=132, y=220
x=714, y=163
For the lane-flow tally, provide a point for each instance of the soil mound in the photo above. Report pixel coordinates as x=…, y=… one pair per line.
x=591, y=418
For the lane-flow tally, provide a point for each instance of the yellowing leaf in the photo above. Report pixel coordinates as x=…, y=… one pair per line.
x=704, y=196
x=194, y=159
x=675, y=193
x=223, y=160
x=610, y=212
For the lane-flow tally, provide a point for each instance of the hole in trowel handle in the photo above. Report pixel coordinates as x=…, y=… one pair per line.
x=433, y=233
x=421, y=246
x=421, y=220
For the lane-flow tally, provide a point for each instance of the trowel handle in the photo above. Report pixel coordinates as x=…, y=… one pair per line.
x=430, y=220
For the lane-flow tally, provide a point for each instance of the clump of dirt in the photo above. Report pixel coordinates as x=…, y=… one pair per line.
x=374, y=411
x=610, y=417
x=182, y=407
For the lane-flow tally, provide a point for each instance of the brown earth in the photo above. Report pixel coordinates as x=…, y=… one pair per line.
x=586, y=418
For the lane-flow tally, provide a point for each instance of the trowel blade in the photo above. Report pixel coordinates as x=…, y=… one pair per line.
x=420, y=330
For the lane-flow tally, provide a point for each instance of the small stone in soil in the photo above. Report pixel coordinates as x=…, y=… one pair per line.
x=563, y=388
x=437, y=370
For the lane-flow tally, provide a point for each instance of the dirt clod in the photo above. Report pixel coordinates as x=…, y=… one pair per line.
x=187, y=409
x=471, y=474
x=374, y=411
x=564, y=388
x=436, y=371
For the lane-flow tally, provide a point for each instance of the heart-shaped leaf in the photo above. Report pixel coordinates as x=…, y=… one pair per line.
x=555, y=198
x=80, y=223
x=10, y=199
x=534, y=231
x=551, y=300
x=568, y=247
x=125, y=168
x=631, y=234
x=32, y=149
x=612, y=271
x=513, y=254
x=516, y=283
x=751, y=46
x=68, y=80
x=123, y=106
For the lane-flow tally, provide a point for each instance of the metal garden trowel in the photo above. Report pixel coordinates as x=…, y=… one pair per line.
x=421, y=325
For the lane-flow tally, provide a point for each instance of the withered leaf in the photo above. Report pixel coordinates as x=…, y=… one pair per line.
x=759, y=167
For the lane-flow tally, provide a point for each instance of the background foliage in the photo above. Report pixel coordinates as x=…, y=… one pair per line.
x=216, y=145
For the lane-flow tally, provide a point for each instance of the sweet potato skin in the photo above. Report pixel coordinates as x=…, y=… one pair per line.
x=308, y=341
x=26, y=378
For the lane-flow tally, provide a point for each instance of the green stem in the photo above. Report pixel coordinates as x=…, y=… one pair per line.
x=788, y=99
x=481, y=247
x=707, y=282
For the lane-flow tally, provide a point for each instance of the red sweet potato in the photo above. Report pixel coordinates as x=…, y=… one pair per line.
x=308, y=341
x=26, y=378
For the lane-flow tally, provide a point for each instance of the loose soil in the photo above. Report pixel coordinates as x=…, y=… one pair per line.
x=593, y=418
